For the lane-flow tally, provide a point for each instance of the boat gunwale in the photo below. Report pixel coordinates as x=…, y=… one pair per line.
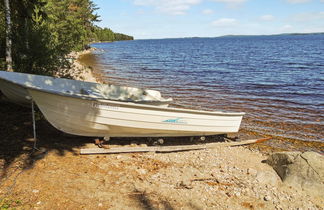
x=164, y=101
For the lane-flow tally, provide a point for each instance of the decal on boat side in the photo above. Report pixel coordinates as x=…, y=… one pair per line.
x=176, y=120
x=104, y=106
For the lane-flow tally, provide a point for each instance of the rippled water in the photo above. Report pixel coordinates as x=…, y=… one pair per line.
x=277, y=80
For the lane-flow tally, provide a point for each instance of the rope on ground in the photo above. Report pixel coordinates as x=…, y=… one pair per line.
x=34, y=126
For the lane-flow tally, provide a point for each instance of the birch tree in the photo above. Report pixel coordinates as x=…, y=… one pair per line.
x=8, y=36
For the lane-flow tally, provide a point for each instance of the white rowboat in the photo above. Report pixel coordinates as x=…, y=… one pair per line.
x=14, y=86
x=77, y=115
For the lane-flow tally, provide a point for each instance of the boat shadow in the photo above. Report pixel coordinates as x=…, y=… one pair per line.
x=166, y=141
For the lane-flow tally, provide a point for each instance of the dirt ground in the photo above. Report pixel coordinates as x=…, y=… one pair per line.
x=57, y=177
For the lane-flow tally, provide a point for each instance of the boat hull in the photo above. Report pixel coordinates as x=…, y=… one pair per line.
x=102, y=118
x=15, y=93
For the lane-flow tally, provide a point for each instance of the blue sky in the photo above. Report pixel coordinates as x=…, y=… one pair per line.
x=151, y=19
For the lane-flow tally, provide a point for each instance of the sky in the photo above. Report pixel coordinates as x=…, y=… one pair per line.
x=154, y=19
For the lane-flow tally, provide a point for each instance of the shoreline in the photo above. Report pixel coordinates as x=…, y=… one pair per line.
x=81, y=71
x=84, y=68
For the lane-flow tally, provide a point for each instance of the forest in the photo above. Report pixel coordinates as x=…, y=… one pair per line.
x=43, y=32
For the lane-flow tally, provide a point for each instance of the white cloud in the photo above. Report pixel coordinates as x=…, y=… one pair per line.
x=313, y=30
x=286, y=28
x=231, y=3
x=267, y=17
x=225, y=22
x=298, y=1
x=208, y=11
x=308, y=17
x=174, y=7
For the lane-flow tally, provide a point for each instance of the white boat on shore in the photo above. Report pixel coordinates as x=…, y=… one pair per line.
x=14, y=86
x=85, y=116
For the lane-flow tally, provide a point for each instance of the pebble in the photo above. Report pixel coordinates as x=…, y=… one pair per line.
x=252, y=172
x=142, y=171
x=238, y=194
x=279, y=207
x=35, y=191
x=267, y=198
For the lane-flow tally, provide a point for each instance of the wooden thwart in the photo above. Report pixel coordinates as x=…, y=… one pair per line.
x=90, y=151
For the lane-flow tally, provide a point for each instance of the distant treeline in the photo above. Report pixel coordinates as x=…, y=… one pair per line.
x=107, y=35
x=43, y=32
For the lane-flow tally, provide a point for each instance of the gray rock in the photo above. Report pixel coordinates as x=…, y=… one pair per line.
x=268, y=177
x=300, y=170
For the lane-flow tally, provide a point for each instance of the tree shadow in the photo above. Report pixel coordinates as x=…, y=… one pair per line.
x=16, y=138
x=151, y=201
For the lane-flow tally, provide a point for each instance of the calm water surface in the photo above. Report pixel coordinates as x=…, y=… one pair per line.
x=277, y=80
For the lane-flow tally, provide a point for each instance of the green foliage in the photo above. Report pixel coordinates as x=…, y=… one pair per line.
x=45, y=31
x=120, y=37
x=107, y=35
x=9, y=204
x=104, y=34
x=71, y=23
x=33, y=47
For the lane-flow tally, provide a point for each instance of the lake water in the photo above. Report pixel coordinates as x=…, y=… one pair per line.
x=277, y=80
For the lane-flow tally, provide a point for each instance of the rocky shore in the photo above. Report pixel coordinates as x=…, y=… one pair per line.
x=77, y=70
x=221, y=178
x=57, y=177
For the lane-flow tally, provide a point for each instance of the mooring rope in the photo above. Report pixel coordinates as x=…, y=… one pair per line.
x=34, y=126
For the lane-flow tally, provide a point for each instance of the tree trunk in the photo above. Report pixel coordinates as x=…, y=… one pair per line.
x=26, y=34
x=8, y=37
